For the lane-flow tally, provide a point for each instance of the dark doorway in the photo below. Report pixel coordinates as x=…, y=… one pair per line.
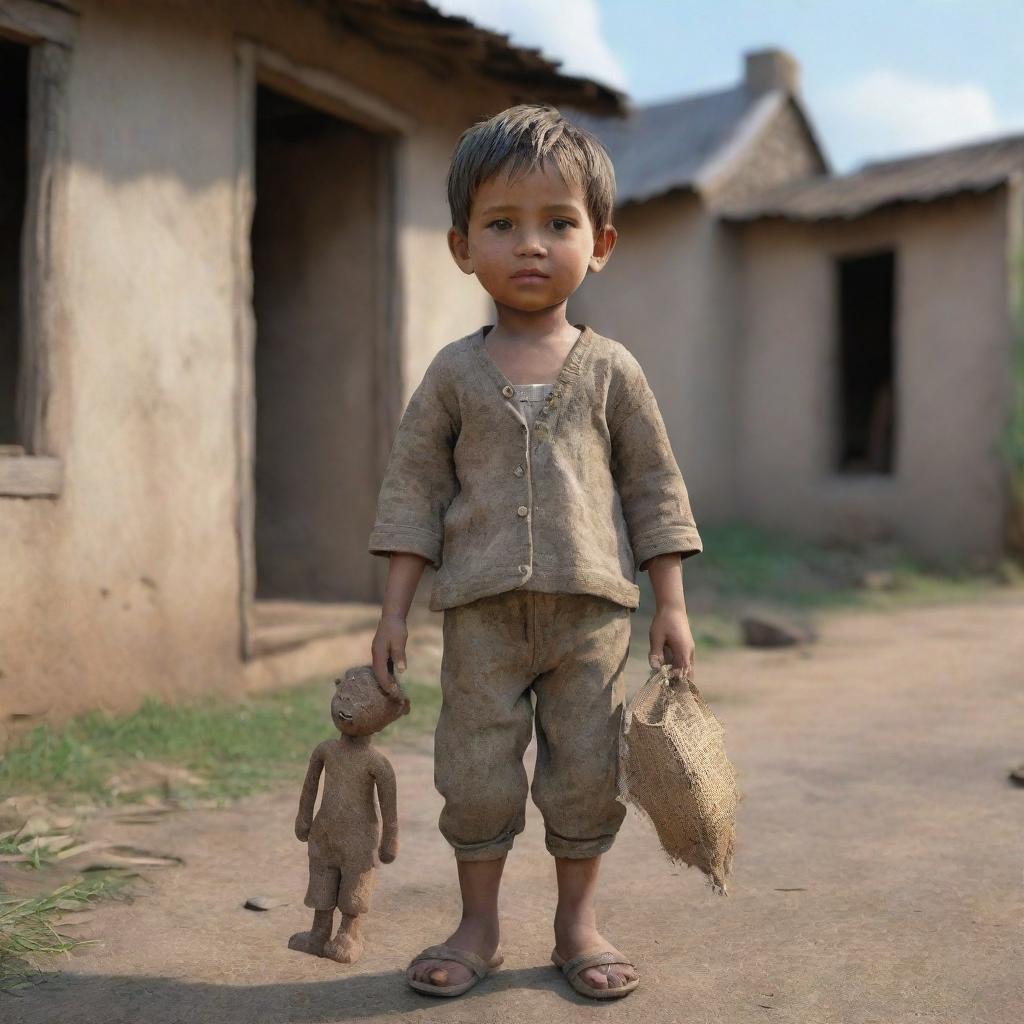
x=13, y=190
x=318, y=229
x=867, y=391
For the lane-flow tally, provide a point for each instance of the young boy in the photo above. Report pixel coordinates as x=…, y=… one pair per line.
x=532, y=469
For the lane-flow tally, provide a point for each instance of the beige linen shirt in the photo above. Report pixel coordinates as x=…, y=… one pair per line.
x=575, y=505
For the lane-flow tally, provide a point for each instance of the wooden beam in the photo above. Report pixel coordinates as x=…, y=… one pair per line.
x=328, y=92
x=30, y=476
x=33, y=21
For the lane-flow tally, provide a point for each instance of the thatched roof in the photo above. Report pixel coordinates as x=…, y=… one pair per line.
x=688, y=143
x=447, y=45
x=920, y=178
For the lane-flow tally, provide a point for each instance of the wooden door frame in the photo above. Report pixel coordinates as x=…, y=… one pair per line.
x=257, y=64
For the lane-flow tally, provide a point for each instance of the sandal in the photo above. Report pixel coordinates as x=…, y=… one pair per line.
x=480, y=968
x=572, y=968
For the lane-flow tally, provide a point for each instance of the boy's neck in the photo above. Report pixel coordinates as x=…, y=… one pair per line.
x=531, y=326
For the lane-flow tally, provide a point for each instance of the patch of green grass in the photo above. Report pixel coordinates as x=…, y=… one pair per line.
x=30, y=927
x=743, y=565
x=232, y=747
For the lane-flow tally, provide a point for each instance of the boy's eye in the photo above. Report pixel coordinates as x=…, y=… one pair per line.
x=561, y=224
x=502, y=224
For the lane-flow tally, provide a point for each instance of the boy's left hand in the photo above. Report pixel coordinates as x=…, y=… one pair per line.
x=672, y=642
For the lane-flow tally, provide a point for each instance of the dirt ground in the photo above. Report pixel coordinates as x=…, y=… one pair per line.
x=878, y=874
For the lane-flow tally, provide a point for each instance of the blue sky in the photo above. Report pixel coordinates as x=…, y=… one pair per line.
x=881, y=78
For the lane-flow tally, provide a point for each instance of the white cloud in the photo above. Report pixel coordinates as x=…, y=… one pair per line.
x=888, y=112
x=566, y=30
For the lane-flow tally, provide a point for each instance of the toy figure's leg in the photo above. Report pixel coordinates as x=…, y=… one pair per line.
x=322, y=896
x=353, y=898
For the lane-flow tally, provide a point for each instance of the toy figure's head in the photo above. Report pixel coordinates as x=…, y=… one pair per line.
x=359, y=706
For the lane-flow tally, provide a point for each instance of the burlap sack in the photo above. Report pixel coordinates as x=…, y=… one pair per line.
x=674, y=769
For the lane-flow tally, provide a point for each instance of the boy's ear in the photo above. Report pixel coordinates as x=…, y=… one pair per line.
x=604, y=242
x=458, y=245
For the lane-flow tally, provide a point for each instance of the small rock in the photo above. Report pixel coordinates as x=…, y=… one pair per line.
x=878, y=579
x=761, y=630
x=263, y=903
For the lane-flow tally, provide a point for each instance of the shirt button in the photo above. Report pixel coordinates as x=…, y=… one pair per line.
x=507, y=391
x=522, y=510
x=524, y=569
x=518, y=471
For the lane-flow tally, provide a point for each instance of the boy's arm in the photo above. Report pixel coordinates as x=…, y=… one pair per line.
x=655, y=504
x=420, y=482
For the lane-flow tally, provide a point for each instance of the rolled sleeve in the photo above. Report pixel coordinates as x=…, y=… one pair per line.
x=420, y=481
x=655, y=504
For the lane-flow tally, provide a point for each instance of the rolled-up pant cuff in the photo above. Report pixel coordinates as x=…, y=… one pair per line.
x=577, y=849
x=492, y=849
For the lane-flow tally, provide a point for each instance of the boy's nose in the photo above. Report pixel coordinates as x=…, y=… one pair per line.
x=530, y=246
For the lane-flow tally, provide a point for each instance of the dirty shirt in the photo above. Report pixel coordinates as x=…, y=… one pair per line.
x=573, y=497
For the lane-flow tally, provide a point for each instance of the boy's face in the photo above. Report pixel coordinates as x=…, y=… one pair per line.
x=531, y=242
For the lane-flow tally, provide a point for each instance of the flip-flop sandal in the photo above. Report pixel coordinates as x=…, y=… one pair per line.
x=480, y=968
x=572, y=968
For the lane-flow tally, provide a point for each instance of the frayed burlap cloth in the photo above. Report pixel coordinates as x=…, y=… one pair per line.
x=673, y=767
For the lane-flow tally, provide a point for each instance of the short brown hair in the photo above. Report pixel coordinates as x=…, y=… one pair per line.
x=522, y=139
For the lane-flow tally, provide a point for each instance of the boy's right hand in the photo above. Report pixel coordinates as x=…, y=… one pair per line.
x=388, y=653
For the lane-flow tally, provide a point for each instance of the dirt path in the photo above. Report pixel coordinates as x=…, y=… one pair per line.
x=877, y=879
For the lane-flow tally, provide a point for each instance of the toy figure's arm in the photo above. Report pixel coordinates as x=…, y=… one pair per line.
x=304, y=819
x=387, y=795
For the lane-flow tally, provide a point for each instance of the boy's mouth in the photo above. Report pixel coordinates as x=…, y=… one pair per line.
x=529, y=272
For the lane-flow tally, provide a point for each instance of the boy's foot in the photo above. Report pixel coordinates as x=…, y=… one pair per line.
x=473, y=935
x=574, y=938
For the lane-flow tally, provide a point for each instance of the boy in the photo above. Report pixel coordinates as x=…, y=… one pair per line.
x=542, y=516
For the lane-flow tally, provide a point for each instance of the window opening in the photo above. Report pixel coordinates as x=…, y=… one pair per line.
x=13, y=191
x=867, y=398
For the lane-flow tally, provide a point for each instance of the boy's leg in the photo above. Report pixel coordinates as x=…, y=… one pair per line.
x=576, y=921
x=484, y=728
x=485, y=725
x=583, y=649
x=579, y=710
x=478, y=931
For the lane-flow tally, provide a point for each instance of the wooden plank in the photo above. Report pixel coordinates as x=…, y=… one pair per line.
x=35, y=20
x=328, y=92
x=31, y=476
x=43, y=246
x=245, y=340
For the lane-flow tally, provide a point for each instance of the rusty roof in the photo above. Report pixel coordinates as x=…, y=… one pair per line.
x=922, y=177
x=447, y=44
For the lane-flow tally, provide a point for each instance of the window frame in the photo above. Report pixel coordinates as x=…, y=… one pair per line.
x=33, y=468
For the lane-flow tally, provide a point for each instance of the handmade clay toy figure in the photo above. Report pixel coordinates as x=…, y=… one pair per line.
x=345, y=838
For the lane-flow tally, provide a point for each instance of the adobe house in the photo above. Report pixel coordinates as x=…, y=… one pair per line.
x=833, y=354
x=223, y=269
